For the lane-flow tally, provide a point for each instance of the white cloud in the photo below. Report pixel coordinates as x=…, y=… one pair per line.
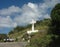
x=27, y=13
x=46, y=16
x=36, y=11
x=32, y=5
x=10, y=10
x=7, y=22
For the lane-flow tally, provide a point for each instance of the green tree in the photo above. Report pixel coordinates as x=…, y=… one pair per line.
x=2, y=37
x=55, y=16
x=55, y=26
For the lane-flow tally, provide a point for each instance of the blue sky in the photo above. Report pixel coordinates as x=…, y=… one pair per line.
x=21, y=12
x=20, y=3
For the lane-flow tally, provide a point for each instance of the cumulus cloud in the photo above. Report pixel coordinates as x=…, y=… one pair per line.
x=10, y=10
x=26, y=13
x=7, y=22
x=35, y=11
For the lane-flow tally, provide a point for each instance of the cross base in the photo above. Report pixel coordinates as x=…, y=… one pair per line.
x=29, y=32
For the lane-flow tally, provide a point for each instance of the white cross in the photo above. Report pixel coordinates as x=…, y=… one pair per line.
x=32, y=22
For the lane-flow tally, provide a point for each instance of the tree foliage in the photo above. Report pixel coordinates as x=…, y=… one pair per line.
x=2, y=37
x=55, y=16
x=55, y=26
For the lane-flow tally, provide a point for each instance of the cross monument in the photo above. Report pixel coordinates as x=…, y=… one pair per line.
x=33, y=30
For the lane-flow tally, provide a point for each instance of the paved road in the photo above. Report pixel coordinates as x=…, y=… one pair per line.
x=13, y=44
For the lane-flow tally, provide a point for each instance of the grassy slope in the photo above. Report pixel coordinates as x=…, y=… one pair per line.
x=40, y=25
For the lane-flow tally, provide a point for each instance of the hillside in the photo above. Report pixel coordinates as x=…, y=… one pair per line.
x=19, y=32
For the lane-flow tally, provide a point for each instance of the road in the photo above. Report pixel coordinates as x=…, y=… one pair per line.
x=13, y=44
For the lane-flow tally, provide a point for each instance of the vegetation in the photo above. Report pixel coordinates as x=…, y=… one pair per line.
x=17, y=33
x=55, y=16
x=55, y=26
x=2, y=37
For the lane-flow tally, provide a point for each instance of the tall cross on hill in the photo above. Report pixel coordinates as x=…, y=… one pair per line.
x=32, y=31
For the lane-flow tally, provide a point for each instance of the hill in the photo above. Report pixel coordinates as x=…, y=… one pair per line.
x=19, y=32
